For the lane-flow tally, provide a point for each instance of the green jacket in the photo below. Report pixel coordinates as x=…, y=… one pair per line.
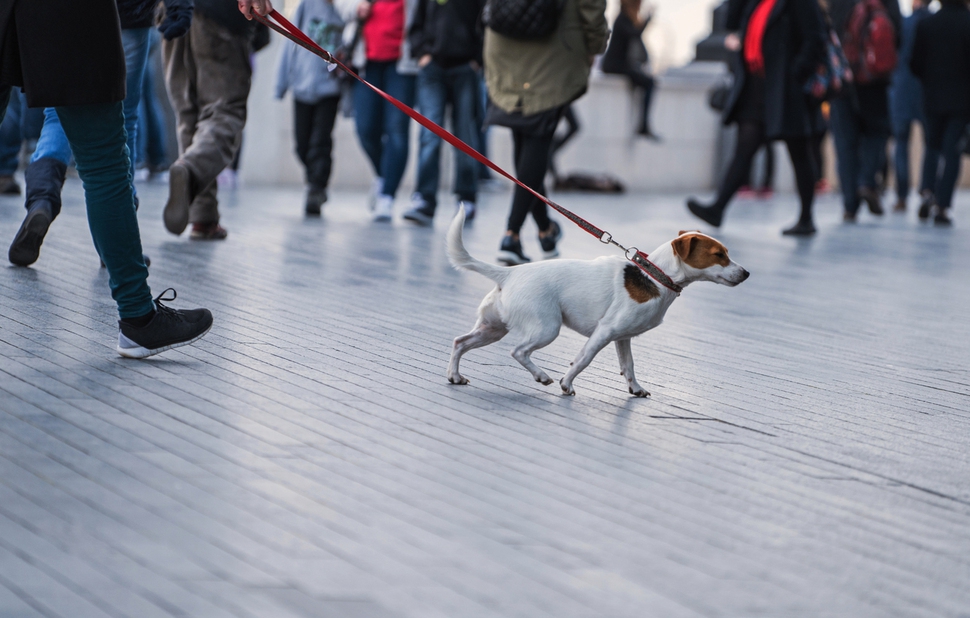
x=533, y=76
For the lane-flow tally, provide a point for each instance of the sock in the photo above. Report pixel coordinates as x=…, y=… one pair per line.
x=141, y=321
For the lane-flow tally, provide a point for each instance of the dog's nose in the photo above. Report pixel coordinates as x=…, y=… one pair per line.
x=744, y=275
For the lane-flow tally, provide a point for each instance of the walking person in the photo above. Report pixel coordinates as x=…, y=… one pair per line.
x=627, y=55
x=782, y=44
x=859, y=119
x=36, y=36
x=208, y=76
x=941, y=61
x=530, y=83
x=316, y=96
x=384, y=52
x=48, y=165
x=447, y=41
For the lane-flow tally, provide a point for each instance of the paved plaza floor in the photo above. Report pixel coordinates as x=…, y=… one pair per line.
x=806, y=450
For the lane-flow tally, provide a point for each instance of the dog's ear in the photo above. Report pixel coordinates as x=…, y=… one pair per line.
x=683, y=245
x=682, y=232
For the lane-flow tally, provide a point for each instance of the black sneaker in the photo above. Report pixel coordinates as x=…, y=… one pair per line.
x=168, y=329
x=510, y=253
x=316, y=197
x=25, y=248
x=926, y=205
x=943, y=217
x=549, y=241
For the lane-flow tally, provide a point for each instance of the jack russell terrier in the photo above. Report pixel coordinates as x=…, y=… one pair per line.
x=606, y=299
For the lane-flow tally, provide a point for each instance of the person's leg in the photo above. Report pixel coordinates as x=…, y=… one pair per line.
x=320, y=152
x=11, y=140
x=98, y=140
x=431, y=95
x=302, y=127
x=394, y=159
x=369, y=114
x=845, y=133
x=135, y=41
x=931, y=163
x=646, y=84
x=803, y=163
x=751, y=137
x=901, y=133
x=151, y=129
x=463, y=86
x=768, y=182
x=180, y=79
x=953, y=134
x=531, y=163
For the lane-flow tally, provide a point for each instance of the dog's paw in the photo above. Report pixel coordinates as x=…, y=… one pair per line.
x=567, y=390
x=544, y=380
x=458, y=379
x=639, y=392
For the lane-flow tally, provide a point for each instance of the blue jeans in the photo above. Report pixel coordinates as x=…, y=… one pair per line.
x=945, y=135
x=902, y=127
x=151, y=118
x=381, y=127
x=438, y=88
x=54, y=143
x=18, y=124
x=859, y=151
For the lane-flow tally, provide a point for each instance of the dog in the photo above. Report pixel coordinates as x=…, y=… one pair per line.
x=609, y=299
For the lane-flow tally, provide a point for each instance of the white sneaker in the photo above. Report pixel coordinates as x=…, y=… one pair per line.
x=383, y=209
x=375, y=190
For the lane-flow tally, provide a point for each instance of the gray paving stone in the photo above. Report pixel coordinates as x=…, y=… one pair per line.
x=803, y=454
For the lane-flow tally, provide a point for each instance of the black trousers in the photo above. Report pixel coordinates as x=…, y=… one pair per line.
x=314, y=138
x=646, y=83
x=531, y=157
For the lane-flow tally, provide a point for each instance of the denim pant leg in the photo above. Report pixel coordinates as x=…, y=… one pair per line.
x=463, y=84
x=872, y=155
x=845, y=134
x=396, y=128
x=931, y=161
x=53, y=143
x=98, y=140
x=369, y=113
x=11, y=136
x=950, y=149
x=901, y=133
x=432, y=97
x=135, y=41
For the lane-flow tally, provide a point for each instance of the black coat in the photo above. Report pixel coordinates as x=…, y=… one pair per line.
x=447, y=31
x=626, y=52
x=941, y=60
x=62, y=52
x=794, y=47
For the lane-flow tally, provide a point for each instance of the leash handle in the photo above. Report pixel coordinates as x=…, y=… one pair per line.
x=291, y=32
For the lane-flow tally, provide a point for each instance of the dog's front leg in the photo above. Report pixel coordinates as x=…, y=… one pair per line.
x=600, y=338
x=624, y=351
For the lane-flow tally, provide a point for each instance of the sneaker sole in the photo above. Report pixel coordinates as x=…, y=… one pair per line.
x=381, y=218
x=176, y=214
x=25, y=248
x=510, y=259
x=141, y=352
x=550, y=255
x=421, y=220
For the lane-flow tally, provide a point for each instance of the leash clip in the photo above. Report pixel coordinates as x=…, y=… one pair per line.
x=632, y=253
x=606, y=238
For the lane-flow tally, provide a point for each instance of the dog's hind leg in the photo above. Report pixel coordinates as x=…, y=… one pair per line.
x=543, y=335
x=597, y=341
x=624, y=351
x=488, y=330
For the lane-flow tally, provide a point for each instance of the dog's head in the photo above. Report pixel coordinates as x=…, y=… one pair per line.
x=706, y=259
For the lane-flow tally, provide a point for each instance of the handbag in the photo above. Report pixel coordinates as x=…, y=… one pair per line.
x=525, y=20
x=831, y=77
x=717, y=96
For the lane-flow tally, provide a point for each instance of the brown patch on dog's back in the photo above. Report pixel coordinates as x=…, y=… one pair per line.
x=639, y=286
x=700, y=251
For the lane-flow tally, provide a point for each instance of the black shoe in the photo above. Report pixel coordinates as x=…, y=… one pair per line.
x=9, y=186
x=316, y=197
x=510, y=253
x=25, y=248
x=422, y=215
x=802, y=228
x=871, y=198
x=709, y=214
x=549, y=241
x=849, y=217
x=167, y=329
x=176, y=213
x=942, y=218
x=926, y=206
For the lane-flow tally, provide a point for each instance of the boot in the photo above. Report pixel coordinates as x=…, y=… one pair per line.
x=44, y=181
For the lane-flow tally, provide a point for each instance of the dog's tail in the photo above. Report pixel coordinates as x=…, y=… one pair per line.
x=461, y=259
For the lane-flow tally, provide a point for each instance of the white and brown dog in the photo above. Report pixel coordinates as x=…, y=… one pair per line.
x=606, y=299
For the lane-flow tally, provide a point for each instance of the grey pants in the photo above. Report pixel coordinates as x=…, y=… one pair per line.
x=208, y=75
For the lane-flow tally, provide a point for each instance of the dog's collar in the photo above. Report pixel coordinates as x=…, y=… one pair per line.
x=640, y=259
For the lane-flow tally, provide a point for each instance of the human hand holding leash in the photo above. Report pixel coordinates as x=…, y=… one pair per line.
x=178, y=19
x=260, y=7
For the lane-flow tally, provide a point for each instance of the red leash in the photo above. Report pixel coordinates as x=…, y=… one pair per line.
x=291, y=32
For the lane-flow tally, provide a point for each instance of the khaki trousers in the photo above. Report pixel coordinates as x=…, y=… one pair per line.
x=208, y=76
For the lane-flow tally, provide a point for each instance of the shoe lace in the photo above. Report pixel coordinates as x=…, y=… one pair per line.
x=162, y=309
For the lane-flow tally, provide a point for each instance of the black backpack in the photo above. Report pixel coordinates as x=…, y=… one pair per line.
x=526, y=20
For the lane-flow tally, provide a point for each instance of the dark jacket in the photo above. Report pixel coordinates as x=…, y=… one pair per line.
x=62, y=53
x=793, y=46
x=906, y=92
x=941, y=60
x=626, y=52
x=226, y=13
x=136, y=13
x=448, y=31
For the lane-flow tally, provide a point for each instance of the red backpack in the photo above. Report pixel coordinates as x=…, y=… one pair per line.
x=870, y=42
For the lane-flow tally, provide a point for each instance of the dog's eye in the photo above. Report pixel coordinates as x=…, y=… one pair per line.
x=720, y=254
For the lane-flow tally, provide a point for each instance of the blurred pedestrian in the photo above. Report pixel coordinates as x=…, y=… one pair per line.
x=48, y=165
x=447, y=42
x=87, y=94
x=316, y=96
x=859, y=119
x=941, y=61
x=782, y=43
x=152, y=141
x=906, y=107
x=20, y=128
x=384, y=52
x=208, y=76
x=530, y=83
x=627, y=55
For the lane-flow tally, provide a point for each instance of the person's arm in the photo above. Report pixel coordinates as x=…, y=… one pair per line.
x=178, y=18
x=918, y=53
x=596, y=32
x=811, y=27
x=259, y=7
x=420, y=43
x=896, y=16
